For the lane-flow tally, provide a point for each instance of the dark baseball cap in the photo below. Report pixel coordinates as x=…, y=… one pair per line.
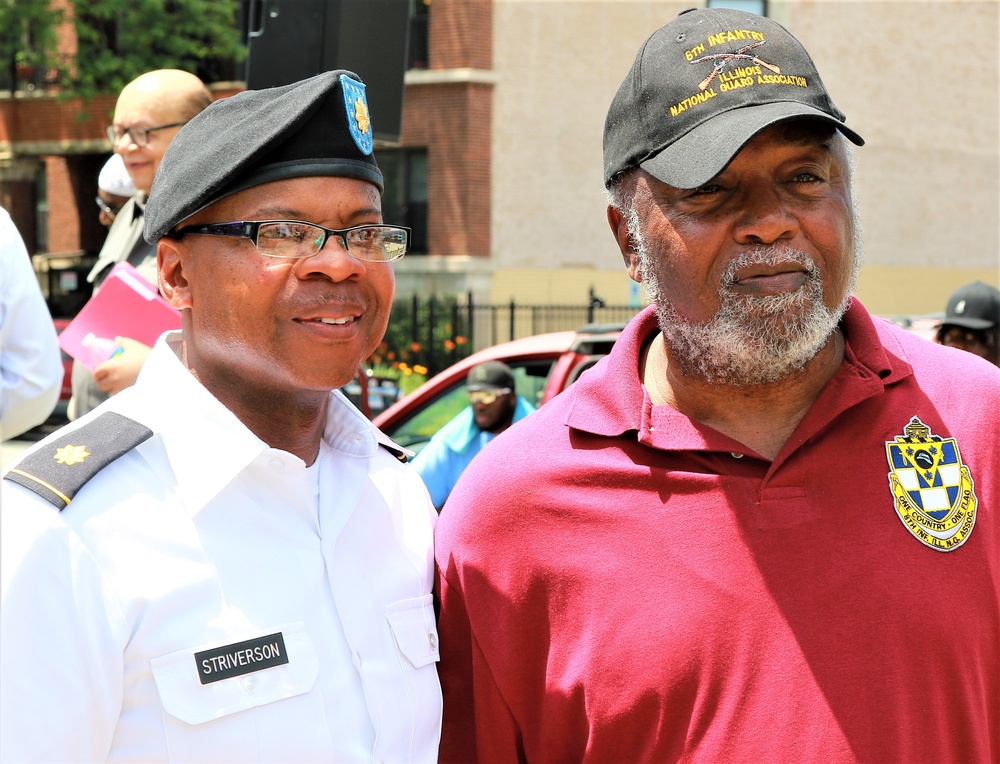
x=701, y=87
x=317, y=126
x=973, y=306
x=490, y=375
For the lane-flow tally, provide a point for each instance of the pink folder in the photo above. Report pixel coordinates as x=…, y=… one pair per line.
x=126, y=305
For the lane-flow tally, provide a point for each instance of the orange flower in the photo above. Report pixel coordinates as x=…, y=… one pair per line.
x=449, y=345
x=419, y=369
x=415, y=347
x=460, y=340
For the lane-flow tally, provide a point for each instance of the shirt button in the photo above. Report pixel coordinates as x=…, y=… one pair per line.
x=249, y=687
x=277, y=464
x=736, y=454
x=432, y=638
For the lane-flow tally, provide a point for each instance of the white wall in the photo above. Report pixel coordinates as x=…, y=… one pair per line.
x=919, y=80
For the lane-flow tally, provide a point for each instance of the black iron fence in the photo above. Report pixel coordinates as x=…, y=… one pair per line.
x=428, y=334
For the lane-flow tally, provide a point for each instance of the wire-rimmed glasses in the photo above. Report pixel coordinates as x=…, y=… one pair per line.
x=295, y=239
x=139, y=135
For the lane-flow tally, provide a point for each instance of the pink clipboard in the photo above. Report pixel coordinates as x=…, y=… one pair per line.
x=126, y=305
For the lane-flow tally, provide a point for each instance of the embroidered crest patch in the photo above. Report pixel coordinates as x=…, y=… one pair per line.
x=358, y=120
x=932, y=490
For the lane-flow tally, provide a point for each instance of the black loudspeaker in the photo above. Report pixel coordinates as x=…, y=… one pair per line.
x=290, y=40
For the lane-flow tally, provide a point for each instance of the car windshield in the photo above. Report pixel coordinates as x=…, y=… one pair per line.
x=414, y=432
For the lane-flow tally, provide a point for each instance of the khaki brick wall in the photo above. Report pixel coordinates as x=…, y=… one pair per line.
x=64, y=218
x=453, y=121
x=460, y=34
x=44, y=118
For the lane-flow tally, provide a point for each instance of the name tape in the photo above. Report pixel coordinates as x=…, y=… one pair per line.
x=241, y=658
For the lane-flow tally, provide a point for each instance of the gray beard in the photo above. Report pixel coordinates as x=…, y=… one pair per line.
x=752, y=339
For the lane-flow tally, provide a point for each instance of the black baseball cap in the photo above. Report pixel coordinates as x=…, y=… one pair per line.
x=317, y=126
x=973, y=306
x=490, y=375
x=701, y=87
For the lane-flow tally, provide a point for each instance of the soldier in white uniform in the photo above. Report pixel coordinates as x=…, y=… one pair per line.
x=227, y=561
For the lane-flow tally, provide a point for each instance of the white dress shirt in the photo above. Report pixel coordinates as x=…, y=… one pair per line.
x=121, y=615
x=31, y=369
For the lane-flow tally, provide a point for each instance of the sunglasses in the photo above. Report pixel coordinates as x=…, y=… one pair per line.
x=487, y=397
x=957, y=335
x=103, y=206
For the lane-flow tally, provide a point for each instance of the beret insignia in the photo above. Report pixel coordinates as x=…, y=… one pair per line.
x=358, y=121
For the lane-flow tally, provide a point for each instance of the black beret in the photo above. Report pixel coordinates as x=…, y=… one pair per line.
x=319, y=126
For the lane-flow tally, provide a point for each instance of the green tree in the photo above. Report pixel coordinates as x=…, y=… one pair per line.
x=117, y=40
x=28, y=36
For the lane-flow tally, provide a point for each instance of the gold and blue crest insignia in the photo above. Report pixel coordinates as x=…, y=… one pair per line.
x=358, y=119
x=933, y=491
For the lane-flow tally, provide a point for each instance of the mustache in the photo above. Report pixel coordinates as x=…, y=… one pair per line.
x=768, y=256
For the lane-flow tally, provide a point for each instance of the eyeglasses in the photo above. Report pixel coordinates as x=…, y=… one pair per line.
x=486, y=397
x=104, y=207
x=294, y=239
x=139, y=135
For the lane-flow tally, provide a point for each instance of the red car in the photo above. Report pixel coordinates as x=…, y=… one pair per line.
x=544, y=365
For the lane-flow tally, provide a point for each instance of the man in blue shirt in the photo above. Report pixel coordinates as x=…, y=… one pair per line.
x=493, y=407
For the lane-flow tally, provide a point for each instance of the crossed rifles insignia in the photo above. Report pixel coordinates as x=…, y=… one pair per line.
x=932, y=489
x=722, y=59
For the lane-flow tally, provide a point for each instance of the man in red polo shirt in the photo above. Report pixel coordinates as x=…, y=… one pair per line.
x=764, y=528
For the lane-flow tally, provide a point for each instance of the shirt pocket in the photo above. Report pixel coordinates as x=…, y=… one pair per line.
x=185, y=697
x=414, y=629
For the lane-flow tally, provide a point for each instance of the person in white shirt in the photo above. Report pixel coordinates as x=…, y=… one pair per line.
x=31, y=369
x=227, y=561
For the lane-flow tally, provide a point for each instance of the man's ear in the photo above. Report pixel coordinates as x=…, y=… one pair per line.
x=172, y=259
x=619, y=227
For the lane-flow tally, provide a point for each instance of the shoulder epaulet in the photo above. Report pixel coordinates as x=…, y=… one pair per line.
x=58, y=470
x=400, y=453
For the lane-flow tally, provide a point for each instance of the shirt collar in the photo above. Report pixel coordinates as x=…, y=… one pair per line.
x=196, y=430
x=610, y=399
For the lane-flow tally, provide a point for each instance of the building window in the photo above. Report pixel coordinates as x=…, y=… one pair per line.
x=41, y=209
x=419, y=53
x=405, y=199
x=753, y=6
